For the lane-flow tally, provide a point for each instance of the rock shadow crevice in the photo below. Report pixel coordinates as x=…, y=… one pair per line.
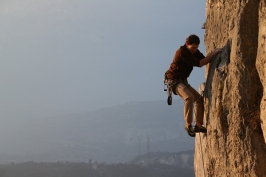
x=216, y=78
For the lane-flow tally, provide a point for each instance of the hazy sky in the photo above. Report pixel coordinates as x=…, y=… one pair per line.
x=73, y=56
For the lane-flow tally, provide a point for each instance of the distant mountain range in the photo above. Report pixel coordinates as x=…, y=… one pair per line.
x=110, y=135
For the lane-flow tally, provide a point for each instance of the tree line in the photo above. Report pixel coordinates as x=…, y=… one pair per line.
x=90, y=169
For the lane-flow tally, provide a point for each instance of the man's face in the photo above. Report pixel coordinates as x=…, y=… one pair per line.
x=192, y=47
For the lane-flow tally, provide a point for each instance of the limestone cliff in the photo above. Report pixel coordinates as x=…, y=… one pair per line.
x=235, y=92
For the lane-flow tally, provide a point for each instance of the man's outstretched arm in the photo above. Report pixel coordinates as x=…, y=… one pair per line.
x=209, y=57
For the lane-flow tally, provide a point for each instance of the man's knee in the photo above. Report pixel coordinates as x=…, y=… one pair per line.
x=189, y=99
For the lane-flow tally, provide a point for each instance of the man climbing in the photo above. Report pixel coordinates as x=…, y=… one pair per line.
x=186, y=57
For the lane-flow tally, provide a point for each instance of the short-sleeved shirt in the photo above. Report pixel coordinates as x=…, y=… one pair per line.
x=183, y=63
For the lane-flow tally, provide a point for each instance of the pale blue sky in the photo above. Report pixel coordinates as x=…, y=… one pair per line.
x=73, y=56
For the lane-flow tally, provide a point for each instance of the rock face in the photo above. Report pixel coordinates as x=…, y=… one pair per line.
x=235, y=92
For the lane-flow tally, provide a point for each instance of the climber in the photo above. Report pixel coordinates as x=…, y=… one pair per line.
x=185, y=58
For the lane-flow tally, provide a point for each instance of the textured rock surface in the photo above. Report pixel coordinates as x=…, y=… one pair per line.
x=235, y=94
x=261, y=61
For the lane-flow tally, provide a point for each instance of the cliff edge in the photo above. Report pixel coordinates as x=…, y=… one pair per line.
x=235, y=91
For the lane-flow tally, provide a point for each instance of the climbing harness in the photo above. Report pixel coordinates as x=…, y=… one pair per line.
x=170, y=85
x=168, y=89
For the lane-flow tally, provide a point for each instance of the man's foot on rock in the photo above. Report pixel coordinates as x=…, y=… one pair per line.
x=200, y=129
x=190, y=130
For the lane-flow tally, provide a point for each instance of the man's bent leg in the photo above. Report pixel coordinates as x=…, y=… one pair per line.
x=199, y=111
x=184, y=92
x=199, y=106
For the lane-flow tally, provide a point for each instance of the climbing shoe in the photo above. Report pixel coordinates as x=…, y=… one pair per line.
x=190, y=130
x=200, y=129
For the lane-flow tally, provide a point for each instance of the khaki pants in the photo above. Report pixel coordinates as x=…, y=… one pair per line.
x=191, y=96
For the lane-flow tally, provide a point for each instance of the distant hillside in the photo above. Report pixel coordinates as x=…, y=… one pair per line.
x=115, y=134
x=184, y=159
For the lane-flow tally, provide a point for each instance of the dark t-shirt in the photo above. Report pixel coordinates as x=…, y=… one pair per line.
x=183, y=63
